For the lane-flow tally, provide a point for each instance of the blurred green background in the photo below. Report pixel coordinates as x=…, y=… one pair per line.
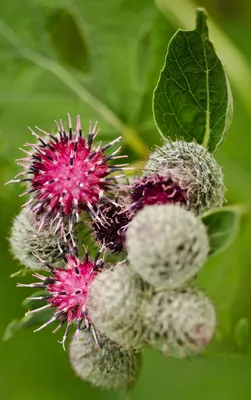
x=101, y=58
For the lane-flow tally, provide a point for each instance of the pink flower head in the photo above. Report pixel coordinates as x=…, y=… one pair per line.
x=157, y=189
x=66, y=175
x=67, y=291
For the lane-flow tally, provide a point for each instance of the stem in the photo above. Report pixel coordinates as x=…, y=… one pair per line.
x=182, y=13
x=130, y=136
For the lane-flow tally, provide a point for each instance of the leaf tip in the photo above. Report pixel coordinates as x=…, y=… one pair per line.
x=201, y=21
x=10, y=330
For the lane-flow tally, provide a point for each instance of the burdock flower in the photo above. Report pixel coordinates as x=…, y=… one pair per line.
x=157, y=189
x=66, y=175
x=167, y=245
x=189, y=175
x=27, y=239
x=179, y=323
x=116, y=301
x=67, y=291
x=116, y=217
x=109, y=366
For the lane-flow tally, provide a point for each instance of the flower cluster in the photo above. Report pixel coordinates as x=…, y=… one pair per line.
x=152, y=222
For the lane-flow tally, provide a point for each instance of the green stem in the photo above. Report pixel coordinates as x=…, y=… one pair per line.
x=182, y=13
x=130, y=136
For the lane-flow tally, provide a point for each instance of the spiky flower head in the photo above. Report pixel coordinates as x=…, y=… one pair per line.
x=157, y=189
x=118, y=315
x=108, y=366
x=66, y=174
x=180, y=323
x=192, y=170
x=67, y=290
x=167, y=245
x=115, y=219
x=26, y=240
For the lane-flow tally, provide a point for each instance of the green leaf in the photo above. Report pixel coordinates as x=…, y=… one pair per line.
x=193, y=99
x=31, y=304
x=222, y=227
x=21, y=273
x=10, y=330
x=181, y=14
x=32, y=320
